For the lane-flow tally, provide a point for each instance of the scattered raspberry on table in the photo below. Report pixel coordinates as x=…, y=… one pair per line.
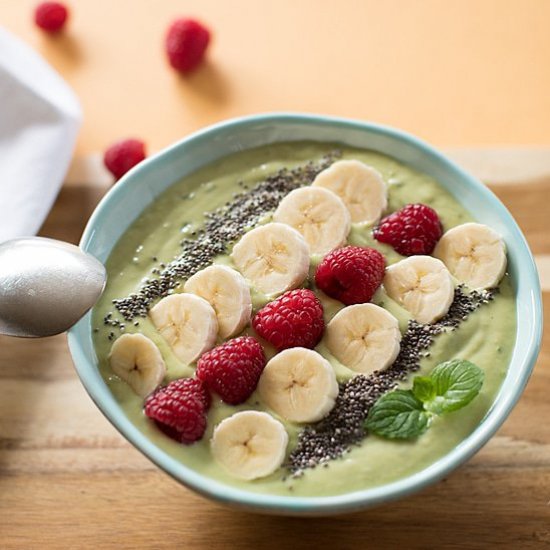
x=179, y=409
x=351, y=274
x=294, y=319
x=232, y=370
x=186, y=44
x=123, y=155
x=51, y=16
x=414, y=229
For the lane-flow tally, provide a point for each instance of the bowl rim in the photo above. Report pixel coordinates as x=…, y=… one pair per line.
x=320, y=505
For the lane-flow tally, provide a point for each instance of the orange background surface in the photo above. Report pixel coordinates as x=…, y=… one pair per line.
x=455, y=72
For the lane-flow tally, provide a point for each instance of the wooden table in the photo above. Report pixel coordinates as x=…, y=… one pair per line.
x=69, y=480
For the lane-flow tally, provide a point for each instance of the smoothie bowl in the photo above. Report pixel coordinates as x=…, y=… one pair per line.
x=307, y=315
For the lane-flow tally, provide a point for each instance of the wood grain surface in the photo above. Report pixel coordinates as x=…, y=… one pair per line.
x=69, y=480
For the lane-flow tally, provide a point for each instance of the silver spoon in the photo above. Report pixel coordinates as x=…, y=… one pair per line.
x=46, y=286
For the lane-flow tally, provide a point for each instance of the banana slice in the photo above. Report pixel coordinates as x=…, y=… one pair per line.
x=188, y=323
x=138, y=361
x=249, y=444
x=361, y=187
x=319, y=215
x=227, y=292
x=364, y=337
x=299, y=385
x=474, y=253
x=422, y=285
x=274, y=257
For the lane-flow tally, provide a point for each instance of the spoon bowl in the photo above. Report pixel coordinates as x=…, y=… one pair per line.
x=46, y=286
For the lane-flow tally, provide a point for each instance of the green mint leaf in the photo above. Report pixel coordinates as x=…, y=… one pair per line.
x=423, y=388
x=398, y=415
x=456, y=383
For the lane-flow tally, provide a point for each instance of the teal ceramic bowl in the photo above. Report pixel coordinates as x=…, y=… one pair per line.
x=127, y=199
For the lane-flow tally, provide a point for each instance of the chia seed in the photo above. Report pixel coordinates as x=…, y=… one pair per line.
x=222, y=227
x=343, y=428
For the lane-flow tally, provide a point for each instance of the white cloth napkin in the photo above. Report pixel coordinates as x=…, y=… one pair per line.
x=39, y=121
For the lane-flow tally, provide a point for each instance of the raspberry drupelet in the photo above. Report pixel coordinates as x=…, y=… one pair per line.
x=51, y=16
x=179, y=409
x=414, y=229
x=232, y=370
x=123, y=155
x=186, y=43
x=294, y=319
x=351, y=274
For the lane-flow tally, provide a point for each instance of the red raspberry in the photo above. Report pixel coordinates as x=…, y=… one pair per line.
x=123, y=155
x=186, y=43
x=351, y=274
x=415, y=229
x=51, y=16
x=191, y=387
x=233, y=369
x=179, y=409
x=294, y=319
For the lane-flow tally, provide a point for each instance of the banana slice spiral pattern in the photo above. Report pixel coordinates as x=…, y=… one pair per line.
x=361, y=187
x=188, y=323
x=249, y=444
x=273, y=257
x=299, y=384
x=226, y=290
x=474, y=253
x=422, y=285
x=137, y=360
x=319, y=215
x=364, y=337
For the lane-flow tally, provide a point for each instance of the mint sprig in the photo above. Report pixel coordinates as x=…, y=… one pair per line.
x=405, y=414
x=456, y=383
x=398, y=415
x=423, y=388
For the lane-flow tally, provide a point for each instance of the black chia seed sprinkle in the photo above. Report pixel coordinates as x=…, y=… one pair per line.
x=344, y=426
x=222, y=227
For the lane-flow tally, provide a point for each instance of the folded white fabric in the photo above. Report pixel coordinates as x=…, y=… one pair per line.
x=39, y=121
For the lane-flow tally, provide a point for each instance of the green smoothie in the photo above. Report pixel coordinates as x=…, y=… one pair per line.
x=486, y=338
